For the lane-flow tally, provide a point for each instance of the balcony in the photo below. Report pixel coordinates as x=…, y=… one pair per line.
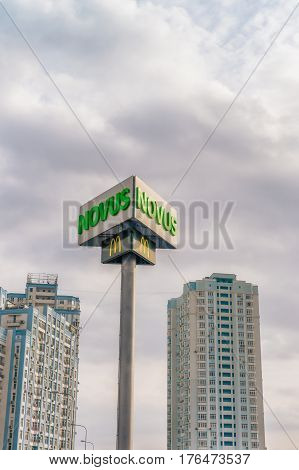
x=14, y=323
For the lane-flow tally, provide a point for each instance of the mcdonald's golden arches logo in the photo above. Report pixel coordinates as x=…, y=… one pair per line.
x=115, y=245
x=144, y=246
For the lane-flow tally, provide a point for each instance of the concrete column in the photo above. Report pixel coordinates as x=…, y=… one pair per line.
x=126, y=353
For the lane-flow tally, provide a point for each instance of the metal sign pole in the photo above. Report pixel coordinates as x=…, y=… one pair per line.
x=126, y=353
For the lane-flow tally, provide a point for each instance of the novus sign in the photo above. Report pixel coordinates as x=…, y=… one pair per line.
x=129, y=204
x=129, y=222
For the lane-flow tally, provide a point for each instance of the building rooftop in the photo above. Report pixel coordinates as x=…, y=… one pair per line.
x=222, y=276
x=42, y=278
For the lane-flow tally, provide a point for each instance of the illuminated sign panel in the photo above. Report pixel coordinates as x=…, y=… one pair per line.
x=156, y=215
x=100, y=217
x=130, y=204
x=128, y=241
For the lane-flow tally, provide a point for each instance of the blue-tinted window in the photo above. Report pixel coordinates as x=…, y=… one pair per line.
x=228, y=443
x=227, y=425
x=228, y=434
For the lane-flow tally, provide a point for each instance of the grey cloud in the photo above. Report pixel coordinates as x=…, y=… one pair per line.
x=150, y=91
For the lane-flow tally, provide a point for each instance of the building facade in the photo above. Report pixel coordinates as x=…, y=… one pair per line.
x=3, y=296
x=39, y=355
x=215, y=391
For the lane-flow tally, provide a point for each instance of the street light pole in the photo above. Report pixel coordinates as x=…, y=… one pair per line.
x=88, y=442
x=126, y=353
x=84, y=427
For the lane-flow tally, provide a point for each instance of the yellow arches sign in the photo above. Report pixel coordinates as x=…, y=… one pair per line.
x=115, y=246
x=144, y=247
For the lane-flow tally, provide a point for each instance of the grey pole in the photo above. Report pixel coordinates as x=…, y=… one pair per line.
x=126, y=353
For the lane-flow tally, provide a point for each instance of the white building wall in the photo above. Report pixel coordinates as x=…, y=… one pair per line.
x=222, y=344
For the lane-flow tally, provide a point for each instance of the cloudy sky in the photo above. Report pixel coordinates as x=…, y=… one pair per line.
x=149, y=80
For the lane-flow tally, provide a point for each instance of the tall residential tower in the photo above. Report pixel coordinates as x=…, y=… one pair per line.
x=215, y=391
x=38, y=366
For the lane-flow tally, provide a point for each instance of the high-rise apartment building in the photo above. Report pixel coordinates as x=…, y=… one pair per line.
x=3, y=295
x=39, y=335
x=215, y=391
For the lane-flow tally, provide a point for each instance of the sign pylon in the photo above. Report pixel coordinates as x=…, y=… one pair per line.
x=129, y=222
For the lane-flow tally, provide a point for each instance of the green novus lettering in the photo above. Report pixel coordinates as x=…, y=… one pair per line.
x=100, y=212
x=125, y=199
x=173, y=226
x=160, y=213
x=104, y=207
x=151, y=208
x=94, y=216
x=114, y=204
x=166, y=222
x=83, y=222
x=141, y=200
